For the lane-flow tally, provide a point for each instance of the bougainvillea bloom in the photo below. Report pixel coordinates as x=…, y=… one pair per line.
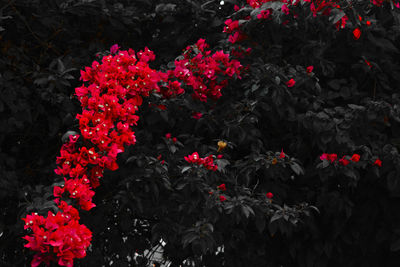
x=378, y=162
x=222, y=187
x=281, y=155
x=309, y=69
x=264, y=14
x=343, y=161
x=356, y=33
x=269, y=195
x=197, y=115
x=222, y=198
x=355, y=158
x=290, y=83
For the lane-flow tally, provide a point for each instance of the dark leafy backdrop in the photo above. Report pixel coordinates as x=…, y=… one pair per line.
x=348, y=104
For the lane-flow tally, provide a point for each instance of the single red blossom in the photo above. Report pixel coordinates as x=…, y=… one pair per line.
x=291, y=83
x=309, y=69
x=174, y=140
x=162, y=162
x=378, y=162
x=219, y=156
x=197, y=115
x=269, y=195
x=343, y=161
x=159, y=157
x=264, y=14
x=114, y=49
x=368, y=23
x=356, y=33
x=281, y=155
x=332, y=157
x=222, y=187
x=355, y=158
x=324, y=156
x=168, y=135
x=222, y=198
x=368, y=63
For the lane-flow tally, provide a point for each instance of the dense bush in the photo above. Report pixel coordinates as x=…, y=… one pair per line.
x=280, y=151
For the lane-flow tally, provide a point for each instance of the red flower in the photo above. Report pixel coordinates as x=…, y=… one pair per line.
x=114, y=49
x=264, y=14
x=378, y=162
x=197, y=115
x=344, y=161
x=332, y=157
x=222, y=198
x=368, y=23
x=356, y=33
x=290, y=83
x=269, y=195
x=174, y=139
x=222, y=187
x=219, y=156
x=309, y=69
x=282, y=155
x=168, y=136
x=355, y=158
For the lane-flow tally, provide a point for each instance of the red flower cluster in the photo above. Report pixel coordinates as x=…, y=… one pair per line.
x=345, y=160
x=207, y=162
x=59, y=237
x=109, y=103
x=222, y=187
x=232, y=27
x=199, y=69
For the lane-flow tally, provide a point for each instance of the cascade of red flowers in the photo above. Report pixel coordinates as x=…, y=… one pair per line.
x=109, y=103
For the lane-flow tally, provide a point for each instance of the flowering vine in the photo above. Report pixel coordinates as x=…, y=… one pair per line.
x=114, y=91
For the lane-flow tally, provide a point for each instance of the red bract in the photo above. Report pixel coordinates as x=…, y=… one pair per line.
x=222, y=198
x=290, y=83
x=356, y=33
x=269, y=195
x=109, y=103
x=355, y=158
x=222, y=187
x=378, y=162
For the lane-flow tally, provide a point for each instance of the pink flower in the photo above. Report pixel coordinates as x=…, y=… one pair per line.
x=290, y=83
x=285, y=9
x=197, y=115
x=324, y=156
x=114, y=49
